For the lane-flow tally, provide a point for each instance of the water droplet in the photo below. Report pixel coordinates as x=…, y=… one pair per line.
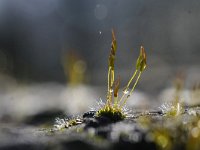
x=111, y=90
x=100, y=32
x=126, y=91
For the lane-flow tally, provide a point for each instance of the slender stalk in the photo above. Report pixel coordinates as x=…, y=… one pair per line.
x=132, y=89
x=109, y=86
x=112, y=77
x=115, y=102
x=134, y=74
x=136, y=82
x=131, y=79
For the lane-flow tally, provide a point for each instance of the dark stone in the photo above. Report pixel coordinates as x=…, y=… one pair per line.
x=91, y=122
x=104, y=131
x=127, y=145
x=76, y=144
x=89, y=114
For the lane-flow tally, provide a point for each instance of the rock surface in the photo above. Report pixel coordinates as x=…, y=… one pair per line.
x=144, y=130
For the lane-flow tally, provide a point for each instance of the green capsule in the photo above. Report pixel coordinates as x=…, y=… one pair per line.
x=141, y=61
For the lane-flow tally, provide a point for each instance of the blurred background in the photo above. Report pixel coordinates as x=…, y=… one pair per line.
x=54, y=53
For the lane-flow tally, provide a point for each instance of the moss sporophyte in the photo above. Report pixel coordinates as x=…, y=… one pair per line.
x=115, y=106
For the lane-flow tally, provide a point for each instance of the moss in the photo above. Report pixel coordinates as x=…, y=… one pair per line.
x=114, y=114
x=113, y=108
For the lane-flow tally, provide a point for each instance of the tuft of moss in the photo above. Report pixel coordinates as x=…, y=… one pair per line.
x=114, y=106
x=114, y=114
